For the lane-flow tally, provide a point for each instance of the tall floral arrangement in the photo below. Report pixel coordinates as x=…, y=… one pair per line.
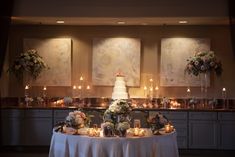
x=118, y=111
x=117, y=118
x=29, y=62
x=203, y=62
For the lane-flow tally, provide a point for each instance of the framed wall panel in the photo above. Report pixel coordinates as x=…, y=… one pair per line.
x=174, y=55
x=112, y=55
x=56, y=52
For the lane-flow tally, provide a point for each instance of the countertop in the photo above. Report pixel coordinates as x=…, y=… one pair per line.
x=63, y=107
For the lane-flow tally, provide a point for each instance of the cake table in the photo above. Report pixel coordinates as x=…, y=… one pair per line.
x=63, y=145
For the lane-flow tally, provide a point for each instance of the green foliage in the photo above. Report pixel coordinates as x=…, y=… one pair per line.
x=203, y=62
x=29, y=62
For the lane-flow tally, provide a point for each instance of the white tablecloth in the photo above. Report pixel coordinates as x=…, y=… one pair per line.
x=63, y=145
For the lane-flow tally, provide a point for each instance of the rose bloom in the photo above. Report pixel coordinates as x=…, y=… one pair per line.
x=196, y=63
x=83, y=115
x=71, y=114
x=79, y=120
x=212, y=64
x=202, y=67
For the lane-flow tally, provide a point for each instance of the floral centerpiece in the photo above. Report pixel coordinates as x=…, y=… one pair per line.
x=118, y=114
x=157, y=122
x=165, y=102
x=203, y=62
x=108, y=129
x=29, y=62
x=122, y=127
x=77, y=119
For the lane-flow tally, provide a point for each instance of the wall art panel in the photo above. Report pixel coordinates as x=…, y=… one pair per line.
x=174, y=55
x=112, y=55
x=56, y=52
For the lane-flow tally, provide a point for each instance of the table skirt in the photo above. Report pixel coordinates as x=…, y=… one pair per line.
x=63, y=145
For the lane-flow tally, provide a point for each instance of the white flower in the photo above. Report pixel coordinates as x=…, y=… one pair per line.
x=79, y=120
x=123, y=126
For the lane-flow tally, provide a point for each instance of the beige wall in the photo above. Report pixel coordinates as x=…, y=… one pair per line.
x=150, y=55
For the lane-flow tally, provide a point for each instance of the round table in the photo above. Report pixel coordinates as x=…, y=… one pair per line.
x=64, y=145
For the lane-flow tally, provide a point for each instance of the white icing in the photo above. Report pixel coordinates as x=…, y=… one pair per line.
x=119, y=90
x=119, y=95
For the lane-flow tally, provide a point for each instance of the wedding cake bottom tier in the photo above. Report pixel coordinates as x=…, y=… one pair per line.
x=119, y=95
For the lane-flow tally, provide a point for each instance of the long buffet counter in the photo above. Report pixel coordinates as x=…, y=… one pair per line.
x=104, y=108
x=197, y=127
x=141, y=104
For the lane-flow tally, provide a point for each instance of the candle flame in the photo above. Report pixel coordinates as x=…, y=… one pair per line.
x=74, y=87
x=79, y=87
x=27, y=87
x=81, y=78
x=224, y=89
x=145, y=88
x=156, y=88
x=151, y=80
x=88, y=87
x=188, y=90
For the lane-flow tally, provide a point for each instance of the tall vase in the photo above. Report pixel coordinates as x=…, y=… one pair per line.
x=204, y=88
x=27, y=82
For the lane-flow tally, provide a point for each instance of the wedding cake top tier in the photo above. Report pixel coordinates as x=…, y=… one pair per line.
x=119, y=90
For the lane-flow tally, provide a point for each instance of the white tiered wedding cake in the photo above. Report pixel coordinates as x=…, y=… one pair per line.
x=119, y=90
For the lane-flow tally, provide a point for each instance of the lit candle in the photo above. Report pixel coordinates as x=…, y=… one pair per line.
x=151, y=88
x=136, y=131
x=137, y=123
x=145, y=105
x=145, y=91
x=88, y=87
x=224, y=93
x=171, y=128
x=224, y=89
x=156, y=88
x=79, y=87
x=26, y=91
x=44, y=91
x=26, y=87
x=81, y=78
x=188, y=90
x=141, y=132
x=157, y=91
x=167, y=128
x=74, y=87
x=44, y=88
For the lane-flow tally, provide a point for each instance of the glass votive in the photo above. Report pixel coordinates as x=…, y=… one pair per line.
x=95, y=126
x=137, y=123
x=167, y=128
x=171, y=128
x=136, y=131
x=141, y=132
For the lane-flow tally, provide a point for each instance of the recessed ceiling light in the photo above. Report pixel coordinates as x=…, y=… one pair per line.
x=121, y=22
x=60, y=21
x=183, y=21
